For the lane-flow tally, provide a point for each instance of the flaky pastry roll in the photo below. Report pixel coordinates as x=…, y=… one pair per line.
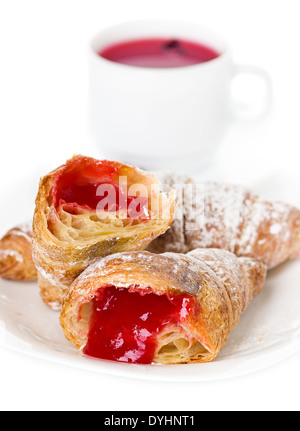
x=88, y=209
x=231, y=217
x=139, y=307
x=16, y=261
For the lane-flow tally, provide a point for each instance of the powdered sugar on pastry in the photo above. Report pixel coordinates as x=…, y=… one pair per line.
x=219, y=214
x=16, y=261
x=233, y=218
x=11, y=253
x=25, y=231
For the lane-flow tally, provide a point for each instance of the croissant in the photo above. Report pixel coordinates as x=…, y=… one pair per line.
x=16, y=261
x=140, y=307
x=88, y=209
x=215, y=215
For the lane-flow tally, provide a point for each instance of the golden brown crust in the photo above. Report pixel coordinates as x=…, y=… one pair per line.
x=223, y=284
x=59, y=261
x=16, y=261
x=233, y=218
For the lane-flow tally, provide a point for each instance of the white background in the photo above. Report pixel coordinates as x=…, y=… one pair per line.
x=44, y=120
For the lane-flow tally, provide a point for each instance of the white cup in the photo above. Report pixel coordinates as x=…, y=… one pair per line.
x=162, y=118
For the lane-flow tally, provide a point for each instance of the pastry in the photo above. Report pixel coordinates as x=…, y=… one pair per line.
x=16, y=261
x=216, y=215
x=140, y=307
x=88, y=209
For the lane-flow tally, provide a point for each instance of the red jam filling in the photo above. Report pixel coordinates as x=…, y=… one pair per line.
x=124, y=325
x=78, y=186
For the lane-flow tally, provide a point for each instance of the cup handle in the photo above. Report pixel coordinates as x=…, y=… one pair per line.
x=252, y=111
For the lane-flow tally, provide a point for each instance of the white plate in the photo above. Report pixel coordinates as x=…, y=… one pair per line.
x=269, y=330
